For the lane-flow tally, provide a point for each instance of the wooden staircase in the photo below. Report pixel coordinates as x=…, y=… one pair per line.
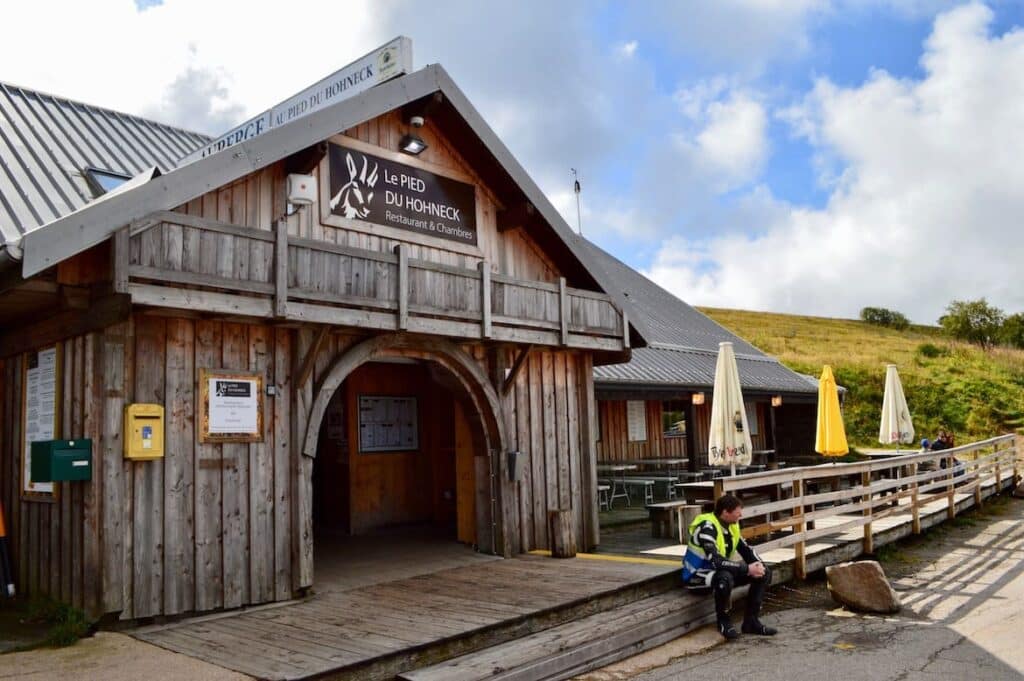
x=580, y=645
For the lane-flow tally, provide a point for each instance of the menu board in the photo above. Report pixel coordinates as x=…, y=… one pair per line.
x=41, y=381
x=387, y=424
x=636, y=420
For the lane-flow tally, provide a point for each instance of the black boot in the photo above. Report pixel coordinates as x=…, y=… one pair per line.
x=754, y=626
x=726, y=629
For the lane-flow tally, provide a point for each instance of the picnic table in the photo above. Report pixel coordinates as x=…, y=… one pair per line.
x=618, y=479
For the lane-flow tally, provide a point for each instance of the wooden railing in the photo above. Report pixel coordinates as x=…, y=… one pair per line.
x=228, y=268
x=864, y=492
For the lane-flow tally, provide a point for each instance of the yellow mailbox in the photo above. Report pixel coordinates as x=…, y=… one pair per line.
x=143, y=431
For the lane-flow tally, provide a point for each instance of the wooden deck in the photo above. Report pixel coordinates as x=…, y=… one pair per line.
x=378, y=630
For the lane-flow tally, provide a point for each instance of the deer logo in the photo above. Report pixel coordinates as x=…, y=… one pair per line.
x=356, y=194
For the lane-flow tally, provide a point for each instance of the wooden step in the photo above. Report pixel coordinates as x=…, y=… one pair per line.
x=581, y=645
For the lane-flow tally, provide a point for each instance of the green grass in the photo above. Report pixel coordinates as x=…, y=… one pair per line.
x=65, y=623
x=975, y=393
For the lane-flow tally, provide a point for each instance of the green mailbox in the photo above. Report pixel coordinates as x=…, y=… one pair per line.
x=61, y=460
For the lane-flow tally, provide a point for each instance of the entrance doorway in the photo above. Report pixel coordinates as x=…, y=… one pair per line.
x=395, y=455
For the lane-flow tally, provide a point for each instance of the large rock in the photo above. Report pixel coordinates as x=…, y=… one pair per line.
x=862, y=586
x=1019, y=490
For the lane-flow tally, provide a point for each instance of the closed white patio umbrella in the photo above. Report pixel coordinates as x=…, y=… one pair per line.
x=729, y=441
x=896, y=424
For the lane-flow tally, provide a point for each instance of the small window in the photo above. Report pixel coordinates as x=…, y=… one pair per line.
x=103, y=181
x=752, y=417
x=673, y=419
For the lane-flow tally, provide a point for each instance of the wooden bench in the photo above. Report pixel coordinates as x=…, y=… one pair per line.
x=669, y=519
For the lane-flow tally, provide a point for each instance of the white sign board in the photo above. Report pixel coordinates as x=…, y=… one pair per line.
x=636, y=420
x=384, y=63
x=40, y=411
x=234, y=406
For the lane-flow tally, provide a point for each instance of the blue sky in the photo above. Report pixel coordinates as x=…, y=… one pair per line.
x=810, y=156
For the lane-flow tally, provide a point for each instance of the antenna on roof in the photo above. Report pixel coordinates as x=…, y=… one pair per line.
x=576, y=189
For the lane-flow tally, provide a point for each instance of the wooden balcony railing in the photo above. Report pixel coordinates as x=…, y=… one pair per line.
x=177, y=260
x=862, y=493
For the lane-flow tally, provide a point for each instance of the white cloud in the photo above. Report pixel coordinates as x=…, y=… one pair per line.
x=734, y=139
x=628, y=49
x=925, y=210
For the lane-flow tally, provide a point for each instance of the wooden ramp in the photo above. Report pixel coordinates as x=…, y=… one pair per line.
x=380, y=630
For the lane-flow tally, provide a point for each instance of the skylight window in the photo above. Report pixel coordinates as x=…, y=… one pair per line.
x=103, y=181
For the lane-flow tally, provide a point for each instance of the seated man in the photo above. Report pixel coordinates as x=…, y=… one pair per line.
x=717, y=558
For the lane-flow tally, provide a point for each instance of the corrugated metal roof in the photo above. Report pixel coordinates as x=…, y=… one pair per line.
x=47, y=143
x=682, y=341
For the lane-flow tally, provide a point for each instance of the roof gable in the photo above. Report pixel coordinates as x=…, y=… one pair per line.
x=92, y=224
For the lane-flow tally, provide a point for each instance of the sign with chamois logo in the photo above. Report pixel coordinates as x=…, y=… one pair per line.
x=366, y=187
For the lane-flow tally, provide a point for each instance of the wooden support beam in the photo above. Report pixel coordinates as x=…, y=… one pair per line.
x=625, y=330
x=915, y=509
x=120, y=260
x=309, y=361
x=402, y=251
x=869, y=537
x=519, y=215
x=563, y=307
x=99, y=315
x=517, y=365
x=281, y=269
x=800, y=548
x=485, y=299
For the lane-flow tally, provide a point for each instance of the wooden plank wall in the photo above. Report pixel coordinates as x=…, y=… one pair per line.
x=614, y=444
x=544, y=418
x=55, y=544
x=203, y=526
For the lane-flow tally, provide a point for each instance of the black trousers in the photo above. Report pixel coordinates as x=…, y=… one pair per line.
x=723, y=582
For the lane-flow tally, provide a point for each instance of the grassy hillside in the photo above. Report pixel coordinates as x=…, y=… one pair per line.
x=948, y=384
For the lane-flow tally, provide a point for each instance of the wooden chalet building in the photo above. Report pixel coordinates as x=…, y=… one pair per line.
x=658, y=405
x=373, y=358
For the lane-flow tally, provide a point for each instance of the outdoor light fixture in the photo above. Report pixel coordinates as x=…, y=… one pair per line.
x=698, y=398
x=776, y=400
x=412, y=144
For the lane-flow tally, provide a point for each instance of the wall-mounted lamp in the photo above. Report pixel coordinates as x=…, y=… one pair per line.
x=411, y=143
x=697, y=398
x=776, y=400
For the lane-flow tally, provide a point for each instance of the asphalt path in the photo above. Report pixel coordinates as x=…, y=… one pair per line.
x=962, y=586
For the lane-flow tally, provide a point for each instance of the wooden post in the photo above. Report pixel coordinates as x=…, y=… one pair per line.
x=485, y=299
x=915, y=512
x=121, y=255
x=403, y=286
x=951, y=507
x=281, y=269
x=563, y=535
x=869, y=539
x=563, y=307
x=800, y=557
x=625, y=329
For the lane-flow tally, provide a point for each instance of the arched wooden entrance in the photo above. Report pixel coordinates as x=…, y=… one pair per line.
x=466, y=373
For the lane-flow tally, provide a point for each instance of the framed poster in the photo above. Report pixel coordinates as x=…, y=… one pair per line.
x=40, y=417
x=636, y=420
x=232, y=406
x=388, y=423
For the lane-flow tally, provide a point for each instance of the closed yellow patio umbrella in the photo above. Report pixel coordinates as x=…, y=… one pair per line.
x=831, y=436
